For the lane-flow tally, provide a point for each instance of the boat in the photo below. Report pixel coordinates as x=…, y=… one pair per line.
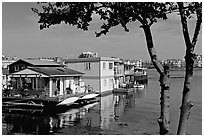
x=137, y=85
x=76, y=102
x=24, y=104
x=89, y=96
x=140, y=71
x=68, y=101
x=140, y=74
x=124, y=85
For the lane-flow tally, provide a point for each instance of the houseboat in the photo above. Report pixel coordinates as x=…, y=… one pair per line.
x=98, y=71
x=140, y=75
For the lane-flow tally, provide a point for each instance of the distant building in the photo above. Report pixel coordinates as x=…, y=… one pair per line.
x=6, y=61
x=5, y=78
x=198, y=62
x=99, y=71
x=138, y=63
x=174, y=63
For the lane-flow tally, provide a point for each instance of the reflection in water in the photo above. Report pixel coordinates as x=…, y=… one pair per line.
x=103, y=114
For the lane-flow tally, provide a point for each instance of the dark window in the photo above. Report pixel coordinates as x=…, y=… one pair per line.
x=110, y=65
x=87, y=66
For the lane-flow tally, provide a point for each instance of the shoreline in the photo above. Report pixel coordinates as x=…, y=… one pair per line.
x=180, y=69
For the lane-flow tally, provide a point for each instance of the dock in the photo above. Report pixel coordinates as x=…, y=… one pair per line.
x=46, y=105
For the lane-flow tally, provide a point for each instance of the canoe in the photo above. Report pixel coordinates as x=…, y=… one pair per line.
x=89, y=96
x=68, y=101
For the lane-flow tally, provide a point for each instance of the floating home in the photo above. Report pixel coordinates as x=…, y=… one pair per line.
x=99, y=71
x=52, y=80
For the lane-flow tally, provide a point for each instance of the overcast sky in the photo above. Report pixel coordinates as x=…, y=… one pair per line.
x=22, y=37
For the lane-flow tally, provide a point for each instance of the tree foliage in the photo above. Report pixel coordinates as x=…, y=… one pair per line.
x=112, y=13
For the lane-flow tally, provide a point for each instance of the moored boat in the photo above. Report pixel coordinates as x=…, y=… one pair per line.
x=76, y=102
x=89, y=96
x=68, y=101
x=24, y=104
x=139, y=86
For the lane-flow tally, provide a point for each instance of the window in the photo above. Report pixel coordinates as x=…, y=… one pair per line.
x=105, y=82
x=110, y=65
x=87, y=66
x=21, y=67
x=16, y=68
x=110, y=83
x=104, y=65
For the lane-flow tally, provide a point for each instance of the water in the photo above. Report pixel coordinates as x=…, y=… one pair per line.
x=117, y=113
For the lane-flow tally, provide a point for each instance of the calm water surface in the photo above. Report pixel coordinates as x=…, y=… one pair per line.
x=136, y=113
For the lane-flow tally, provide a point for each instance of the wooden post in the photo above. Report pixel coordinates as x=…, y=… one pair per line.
x=20, y=82
x=61, y=86
x=32, y=79
x=36, y=78
x=50, y=88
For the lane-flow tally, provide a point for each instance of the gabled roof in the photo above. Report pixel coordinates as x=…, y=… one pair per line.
x=38, y=62
x=50, y=71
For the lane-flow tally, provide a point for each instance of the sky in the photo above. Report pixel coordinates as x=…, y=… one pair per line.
x=22, y=37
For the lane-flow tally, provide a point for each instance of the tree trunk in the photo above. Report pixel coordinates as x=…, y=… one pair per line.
x=164, y=115
x=189, y=59
x=186, y=104
x=163, y=120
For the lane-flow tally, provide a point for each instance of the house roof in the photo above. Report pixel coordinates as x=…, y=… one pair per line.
x=49, y=71
x=39, y=62
x=5, y=71
x=60, y=71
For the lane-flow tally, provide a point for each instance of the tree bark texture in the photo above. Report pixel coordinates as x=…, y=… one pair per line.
x=163, y=120
x=189, y=59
